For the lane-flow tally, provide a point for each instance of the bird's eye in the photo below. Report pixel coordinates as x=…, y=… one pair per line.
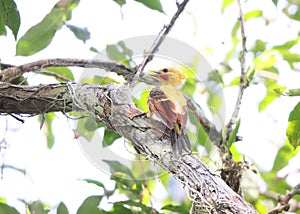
x=165, y=70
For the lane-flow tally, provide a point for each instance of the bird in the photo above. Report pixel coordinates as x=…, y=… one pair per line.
x=167, y=104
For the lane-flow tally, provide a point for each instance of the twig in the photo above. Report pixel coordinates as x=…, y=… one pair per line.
x=56, y=75
x=283, y=201
x=243, y=72
x=17, y=118
x=12, y=73
x=158, y=41
x=214, y=135
x=7, y=166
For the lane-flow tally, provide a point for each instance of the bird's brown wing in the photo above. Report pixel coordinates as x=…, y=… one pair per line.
x=165, y=110
x=162, y=107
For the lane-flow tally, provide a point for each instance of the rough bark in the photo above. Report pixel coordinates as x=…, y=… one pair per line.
x=112, y=105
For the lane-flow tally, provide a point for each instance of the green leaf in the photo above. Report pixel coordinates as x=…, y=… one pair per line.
x=293, y=92
x=275, y=184
x=47, y=119
x=295, y=13
x=189, y=86
x=293, y=129
x=68, y=6
x=4, y=208
x=152, y=4
x=125, y=181
x=252, y=14
x=236, y=155
x=247, y=16
x=265, y=60
x=291, y=58
x=91, y=181
x=120, y=209
x=287, y=45
x=103, y=80
x=236, y=27
x=141, y=103
x=214, y=101
x=259, y=47
x=82, y=34
x=200, y=136
x=90, y=205
x=164, y=178
x=38, y=207
x=93, y=49
x=62, y=71
x=143, y=168
x=2, y=28
x=250, y=75
x=270, y=96
x=176, y=208
x=284, y=154
x=62, y=209
x=86, y=128
x=39, y=36
x=117, y=167
x=235, y=81
x=120, y=2
x=260, y=207
x=275, y=2
x=131, y=203
x=271, y=84
x=119, y=53
x=131, y=188
x=235, y=41
x=107, y=193
x=233, y=134
x=9, y=16
x=225, y=4
x=109, y=137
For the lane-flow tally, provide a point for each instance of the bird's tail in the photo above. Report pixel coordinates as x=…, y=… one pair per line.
x=180, y=142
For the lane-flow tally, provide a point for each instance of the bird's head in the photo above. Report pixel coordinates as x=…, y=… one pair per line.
x=168, y=76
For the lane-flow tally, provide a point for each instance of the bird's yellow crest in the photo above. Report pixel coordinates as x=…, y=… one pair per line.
x=169, y=76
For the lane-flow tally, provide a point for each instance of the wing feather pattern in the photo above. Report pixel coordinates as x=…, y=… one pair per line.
x=165, y=110
x=162, y=107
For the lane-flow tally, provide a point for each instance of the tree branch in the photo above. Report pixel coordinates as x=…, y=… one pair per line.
x=214, y=135
x=283, y=204
x=113, y=106
x=243, y=82
x=159, y=39
x=11, y=73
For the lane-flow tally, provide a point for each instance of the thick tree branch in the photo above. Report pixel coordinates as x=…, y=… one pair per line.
x=11, y=73
x=32, y=100
x=112, y=105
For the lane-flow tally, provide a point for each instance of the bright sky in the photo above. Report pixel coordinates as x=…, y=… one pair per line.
x=52, y=174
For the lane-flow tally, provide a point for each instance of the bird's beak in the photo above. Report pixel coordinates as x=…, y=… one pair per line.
x=152, y=73
x=152, y=77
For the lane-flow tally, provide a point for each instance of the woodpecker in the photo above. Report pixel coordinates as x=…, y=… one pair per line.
x=168, y=105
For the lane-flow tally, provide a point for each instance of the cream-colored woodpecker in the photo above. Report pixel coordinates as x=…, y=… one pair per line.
x=167, y=104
